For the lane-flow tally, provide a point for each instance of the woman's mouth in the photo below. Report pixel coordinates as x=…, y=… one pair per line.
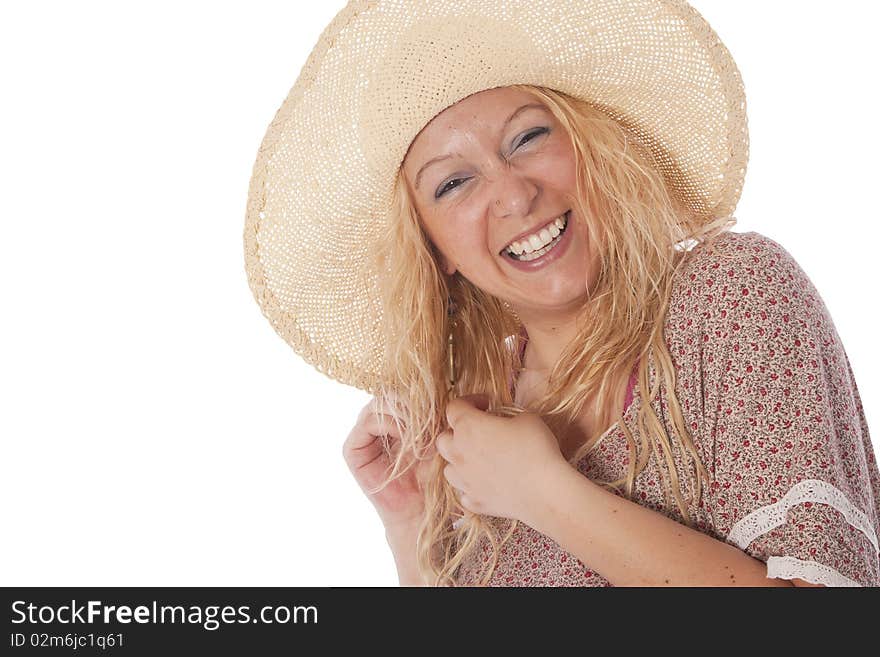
x=540, y=247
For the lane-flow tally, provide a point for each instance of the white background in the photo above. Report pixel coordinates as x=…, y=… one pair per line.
x=155, y=429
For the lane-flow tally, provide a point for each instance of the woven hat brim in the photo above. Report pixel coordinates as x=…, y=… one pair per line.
x=321, y=187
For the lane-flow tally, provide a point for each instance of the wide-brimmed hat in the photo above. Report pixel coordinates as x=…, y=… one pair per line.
x=322, y=184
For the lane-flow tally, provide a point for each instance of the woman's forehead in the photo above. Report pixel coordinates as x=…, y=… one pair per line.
x=485, y=110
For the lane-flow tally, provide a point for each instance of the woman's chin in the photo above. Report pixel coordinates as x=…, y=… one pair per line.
x=550, y=303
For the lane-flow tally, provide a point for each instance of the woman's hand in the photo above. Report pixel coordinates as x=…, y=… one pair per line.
x=497, y=463
x=400, y=504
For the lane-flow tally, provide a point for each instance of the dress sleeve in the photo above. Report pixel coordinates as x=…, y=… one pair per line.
x=795, y=481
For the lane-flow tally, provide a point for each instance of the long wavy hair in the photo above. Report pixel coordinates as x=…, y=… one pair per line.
x=639, y=226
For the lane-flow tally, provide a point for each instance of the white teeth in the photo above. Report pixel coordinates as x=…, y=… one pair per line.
x=540, y=252
x=538, y=241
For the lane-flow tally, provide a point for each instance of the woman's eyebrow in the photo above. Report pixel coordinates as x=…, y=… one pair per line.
x=510, y=118
x=522, y=109
x=429, y=163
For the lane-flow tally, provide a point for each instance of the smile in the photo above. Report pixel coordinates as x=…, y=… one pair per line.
x=539, y=243
x=549, y=251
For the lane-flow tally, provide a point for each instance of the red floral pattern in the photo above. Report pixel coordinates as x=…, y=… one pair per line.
x=771, y=402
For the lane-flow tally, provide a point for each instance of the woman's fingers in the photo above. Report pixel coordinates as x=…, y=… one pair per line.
x=382, y=425
x=425, y=467
x=374, y=436
x=452, y=477
x=362, y=447
x=444, y=444
x=379, y=435
x=368, y=427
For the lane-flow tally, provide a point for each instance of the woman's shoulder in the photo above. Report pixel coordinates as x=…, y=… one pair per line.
x=738, y=295
x=737, y=274
x=732, y=255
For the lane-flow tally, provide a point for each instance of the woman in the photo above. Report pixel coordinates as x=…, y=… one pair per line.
x=645, y=413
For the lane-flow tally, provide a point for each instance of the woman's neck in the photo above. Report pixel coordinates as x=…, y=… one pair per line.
x=548, y=338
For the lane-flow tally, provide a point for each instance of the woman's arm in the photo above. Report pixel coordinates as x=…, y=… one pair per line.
x=631, y=545
x=402, y=542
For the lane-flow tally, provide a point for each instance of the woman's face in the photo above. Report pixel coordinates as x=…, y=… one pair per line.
x=494, y=171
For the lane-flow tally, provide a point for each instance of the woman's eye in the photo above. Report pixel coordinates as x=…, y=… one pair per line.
x=531, y=135
x=446, y=187
x=451, y=184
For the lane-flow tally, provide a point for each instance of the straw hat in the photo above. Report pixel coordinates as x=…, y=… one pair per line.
x=382, y=69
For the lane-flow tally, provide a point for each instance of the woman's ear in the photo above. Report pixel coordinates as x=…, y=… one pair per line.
x=442, y=261
x=446, y=265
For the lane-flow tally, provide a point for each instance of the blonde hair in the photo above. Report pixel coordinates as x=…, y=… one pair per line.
x=637, y=223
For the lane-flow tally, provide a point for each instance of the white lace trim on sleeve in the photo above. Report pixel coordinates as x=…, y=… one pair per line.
x=761, y=521
x=809, y=571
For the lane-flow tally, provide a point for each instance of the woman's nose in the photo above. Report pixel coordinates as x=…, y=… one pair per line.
x=512, y=193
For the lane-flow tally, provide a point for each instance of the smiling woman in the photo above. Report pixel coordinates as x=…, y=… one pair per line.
x=509, y=182
x=582, y=376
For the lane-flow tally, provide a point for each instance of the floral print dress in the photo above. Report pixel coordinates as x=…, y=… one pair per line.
x=770, y=400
